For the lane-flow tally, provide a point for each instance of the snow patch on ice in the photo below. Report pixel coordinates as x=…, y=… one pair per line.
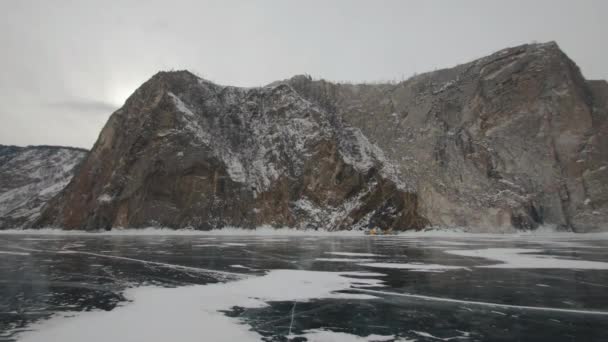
x=528, y=258
x=343, y=260
x=193, y=313
x=355, y=254
x=14, y=253
x=239, y=266
x=322, y=335
x=465, y=336
x=411, y=266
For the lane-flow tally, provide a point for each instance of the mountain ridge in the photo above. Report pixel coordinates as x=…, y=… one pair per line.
x=29, y=177
x=277, y=168
x=75, y=148
x=513, y=140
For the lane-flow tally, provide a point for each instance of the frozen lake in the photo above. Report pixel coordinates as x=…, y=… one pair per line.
x=66, y=287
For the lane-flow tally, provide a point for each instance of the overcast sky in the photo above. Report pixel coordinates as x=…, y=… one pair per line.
x=67, y=65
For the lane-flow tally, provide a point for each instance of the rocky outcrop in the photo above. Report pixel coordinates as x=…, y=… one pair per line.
x=30, y=177
x=513, y=140
x=184, y=152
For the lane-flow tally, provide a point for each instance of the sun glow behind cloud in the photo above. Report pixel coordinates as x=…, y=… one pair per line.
x=90, y=51
x=120, y=92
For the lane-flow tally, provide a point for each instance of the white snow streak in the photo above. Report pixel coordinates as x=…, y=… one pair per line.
x=321, y=335
x=354, y=254
x=192, y=313
x=528, y=258
x=13, y=253
x=411, y=266
x=343, y=260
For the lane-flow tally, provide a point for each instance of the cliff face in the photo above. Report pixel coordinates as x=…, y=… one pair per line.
x=30, y=177
x=515, y=139
x=184, y=152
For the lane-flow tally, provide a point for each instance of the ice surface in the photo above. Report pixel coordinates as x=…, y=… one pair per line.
x=528, y=258
x=234, y=244
x=448, y=298
x=355, y=254
x=14, y=253
x=411, y=266
x=464, y=336
x=486, y=304
x=343, y=260
x=222, y=275
x=453, y=243
x=538, y=236
x=320, y=335
x=192, y=313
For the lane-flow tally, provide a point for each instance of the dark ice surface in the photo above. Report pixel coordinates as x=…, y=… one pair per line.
x=45, y=274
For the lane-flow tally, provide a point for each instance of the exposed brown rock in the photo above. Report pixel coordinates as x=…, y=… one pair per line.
x=183, y=152
x=513, y=140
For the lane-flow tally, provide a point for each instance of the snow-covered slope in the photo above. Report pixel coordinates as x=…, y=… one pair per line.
x=29, y=177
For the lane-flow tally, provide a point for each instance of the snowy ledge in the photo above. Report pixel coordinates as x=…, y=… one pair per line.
x=456, y=232
x=261, y=231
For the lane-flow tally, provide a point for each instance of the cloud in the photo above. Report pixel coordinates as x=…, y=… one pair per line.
x=84, y=106
x=66, y=68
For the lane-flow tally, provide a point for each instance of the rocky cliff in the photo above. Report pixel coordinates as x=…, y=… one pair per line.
x=30, y=177
x=515, y=139
x=183, y=152
x=512, y=140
